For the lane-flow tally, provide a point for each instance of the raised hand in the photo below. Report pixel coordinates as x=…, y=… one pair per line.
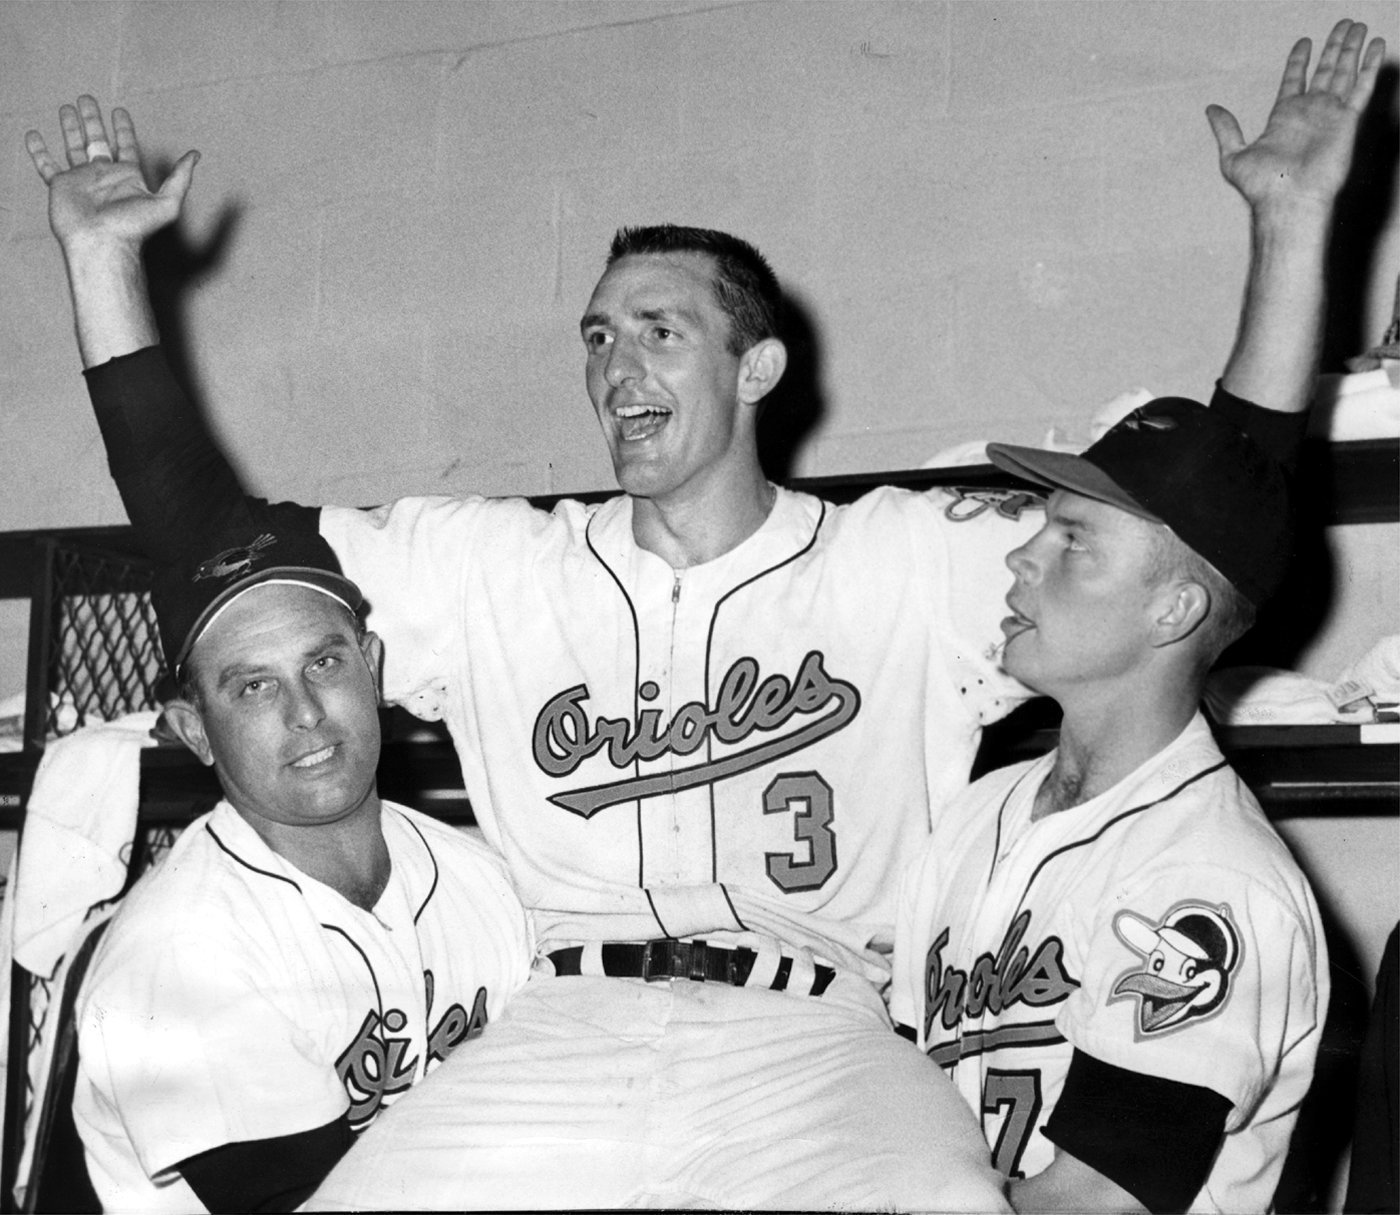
x=102, y=196
x=1305, y=151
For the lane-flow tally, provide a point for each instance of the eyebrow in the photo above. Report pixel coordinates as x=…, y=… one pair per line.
x=1068, y=518
x=240, y=670
x=592, y=320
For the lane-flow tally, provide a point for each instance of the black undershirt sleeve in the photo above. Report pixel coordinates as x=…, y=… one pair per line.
x=177, y=486
x=1280, y=434
x=1156, y=1138
x=267, y=1174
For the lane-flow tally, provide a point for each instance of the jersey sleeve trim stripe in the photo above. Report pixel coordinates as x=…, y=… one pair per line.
x=1001, y=815
x=432, y=857
x=734, y=911
x=280, y=877
x=709, y=652
x=656, y=915
x=1113, y=822
x=364, y=957
x=636, y=670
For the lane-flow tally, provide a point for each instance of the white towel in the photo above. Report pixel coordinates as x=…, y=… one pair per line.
x=1363, y=405
x=78, y=830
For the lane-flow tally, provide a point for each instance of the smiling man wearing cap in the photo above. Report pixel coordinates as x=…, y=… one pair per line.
x=1109, y=949
x=306, y=951
x=707, y=722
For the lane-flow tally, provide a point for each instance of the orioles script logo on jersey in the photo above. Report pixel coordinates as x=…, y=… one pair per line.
x=374, y=1067
x=1014, y=975
x=565, y=735
x=967, y=503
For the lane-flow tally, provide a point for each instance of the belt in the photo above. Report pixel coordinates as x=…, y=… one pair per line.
x=671, y=959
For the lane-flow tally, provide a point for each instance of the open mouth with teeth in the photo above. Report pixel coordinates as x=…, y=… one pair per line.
x=316, y=759
x=637, y=422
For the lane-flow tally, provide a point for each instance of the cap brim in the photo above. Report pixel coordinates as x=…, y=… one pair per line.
x=1061, y=470
x=340, y=589
x=1141, y=935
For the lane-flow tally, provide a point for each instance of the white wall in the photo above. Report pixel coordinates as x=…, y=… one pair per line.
x=998, y=215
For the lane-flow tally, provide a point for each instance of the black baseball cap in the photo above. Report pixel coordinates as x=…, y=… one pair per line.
x=190, y=594
x=1174, y=461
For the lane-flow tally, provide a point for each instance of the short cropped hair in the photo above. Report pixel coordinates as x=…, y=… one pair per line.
x=1231, y=615
x=745, y=286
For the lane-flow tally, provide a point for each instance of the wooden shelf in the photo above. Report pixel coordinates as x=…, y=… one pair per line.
x=1293, y=770
x=1358, y=482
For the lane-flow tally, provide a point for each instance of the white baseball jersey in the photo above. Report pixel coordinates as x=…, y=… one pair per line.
x=746, y=749
x=235, y=998
x=1162, y=928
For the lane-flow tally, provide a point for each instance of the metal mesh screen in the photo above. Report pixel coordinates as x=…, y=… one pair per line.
x=104, y=651
x=98, y=658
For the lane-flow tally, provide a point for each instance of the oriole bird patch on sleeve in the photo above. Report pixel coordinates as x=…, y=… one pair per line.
x=1187, y=960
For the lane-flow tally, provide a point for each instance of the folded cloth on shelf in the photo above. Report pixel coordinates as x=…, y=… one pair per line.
x=1366, y=691
x=1362, y=405
x=1378, y=671
x=78, y=829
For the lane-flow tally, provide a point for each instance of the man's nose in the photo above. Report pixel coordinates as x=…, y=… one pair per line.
x=1022, y=563
x=624, y=363
x=304, y=708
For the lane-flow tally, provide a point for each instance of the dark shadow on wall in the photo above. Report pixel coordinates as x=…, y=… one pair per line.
x=797, y=405
x=1297, y=613
x=1323, y=1132
x=176, y=267
x=1363, y=208
x=1311, y=1178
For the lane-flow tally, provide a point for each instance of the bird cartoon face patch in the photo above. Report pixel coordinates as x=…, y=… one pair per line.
x=1184, y=967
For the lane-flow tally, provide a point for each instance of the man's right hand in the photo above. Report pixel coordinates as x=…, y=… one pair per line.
x=102, y=197
x=101, y=210
x=1305, y=151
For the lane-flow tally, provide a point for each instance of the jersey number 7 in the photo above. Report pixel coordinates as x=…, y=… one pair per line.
x=1015, y=1095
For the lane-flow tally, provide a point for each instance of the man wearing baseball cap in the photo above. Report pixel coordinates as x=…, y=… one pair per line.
x=306, y=951
x=1109, y=949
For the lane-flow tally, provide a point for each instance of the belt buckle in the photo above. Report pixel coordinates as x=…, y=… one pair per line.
x=661, y=959
x=667, y=958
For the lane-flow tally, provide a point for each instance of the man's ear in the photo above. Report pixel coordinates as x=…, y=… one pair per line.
x=761, y=366
x=186, y=722
x=373, y=650
x=1186, y=606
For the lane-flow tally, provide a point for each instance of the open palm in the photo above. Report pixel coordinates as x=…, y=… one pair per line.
x=103, y=194
x=1305, y=150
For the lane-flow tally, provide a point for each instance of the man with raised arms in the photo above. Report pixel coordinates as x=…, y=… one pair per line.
x=765, y=697
x=1109, y=949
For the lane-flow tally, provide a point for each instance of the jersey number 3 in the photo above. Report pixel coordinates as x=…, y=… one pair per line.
x=808, y=798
